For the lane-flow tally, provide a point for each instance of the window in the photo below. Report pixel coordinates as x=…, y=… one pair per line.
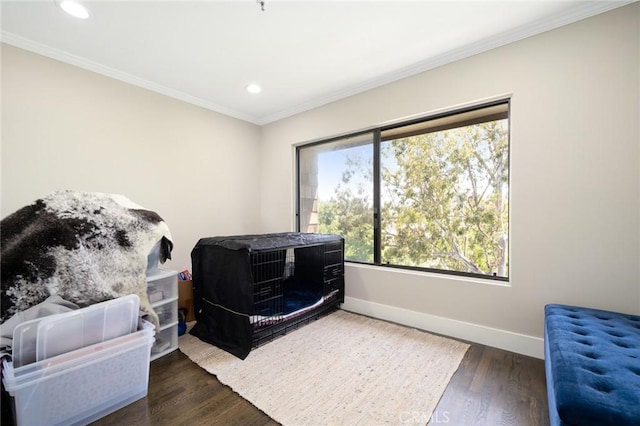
x=429, y=194
x=335, y=192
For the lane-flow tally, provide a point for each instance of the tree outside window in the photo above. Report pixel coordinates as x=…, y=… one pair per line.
x=443, y=186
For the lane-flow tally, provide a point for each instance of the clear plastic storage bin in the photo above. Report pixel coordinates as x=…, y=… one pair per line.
x=162, y=289
x=167, y=313
x=162, y=285
x=46, y=337
x=166, y=340
x=83, y=385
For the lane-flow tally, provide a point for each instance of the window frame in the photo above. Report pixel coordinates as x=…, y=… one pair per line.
x=377, y=133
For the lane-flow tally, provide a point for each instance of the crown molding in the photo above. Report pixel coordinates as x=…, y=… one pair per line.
x=578, y=13
x=80, y=62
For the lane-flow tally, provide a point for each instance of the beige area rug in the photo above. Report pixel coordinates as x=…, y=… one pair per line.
x=341, y=369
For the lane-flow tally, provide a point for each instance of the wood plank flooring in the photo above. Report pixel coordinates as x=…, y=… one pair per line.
x=492, y=387
x=181, y=393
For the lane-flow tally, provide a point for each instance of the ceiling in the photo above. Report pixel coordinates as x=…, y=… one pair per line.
x=302, y=53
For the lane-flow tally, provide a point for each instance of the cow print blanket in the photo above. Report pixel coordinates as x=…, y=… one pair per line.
x=85, y=247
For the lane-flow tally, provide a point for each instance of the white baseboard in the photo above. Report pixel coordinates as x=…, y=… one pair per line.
x=507, y=340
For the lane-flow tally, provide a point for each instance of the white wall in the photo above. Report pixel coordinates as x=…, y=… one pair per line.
x=67, y=128
x=575, y=182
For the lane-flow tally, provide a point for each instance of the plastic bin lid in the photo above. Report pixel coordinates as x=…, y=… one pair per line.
x=14, y=377
x=73, y=330
x=23, y=346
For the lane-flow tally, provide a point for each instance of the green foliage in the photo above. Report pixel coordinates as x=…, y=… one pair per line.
x=351, y=216
x=444, y=202
x=445, y=199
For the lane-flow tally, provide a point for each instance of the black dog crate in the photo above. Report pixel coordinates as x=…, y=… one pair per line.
x=249, y=289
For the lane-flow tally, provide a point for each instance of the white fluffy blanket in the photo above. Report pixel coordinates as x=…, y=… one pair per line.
x=85, y=247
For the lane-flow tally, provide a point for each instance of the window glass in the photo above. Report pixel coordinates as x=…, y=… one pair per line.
x=336, y=192
x=440, y=183
x=445, y=199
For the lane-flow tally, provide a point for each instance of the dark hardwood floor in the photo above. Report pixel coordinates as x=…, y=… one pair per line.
x=492, y=387
x=181, y=393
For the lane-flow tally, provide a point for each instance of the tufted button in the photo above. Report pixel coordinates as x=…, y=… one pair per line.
x=595, y=370
x=602, y=318
x=602, y=386
x=590, y=355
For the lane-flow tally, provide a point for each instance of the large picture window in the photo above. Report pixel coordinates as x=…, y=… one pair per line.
x=431, y=193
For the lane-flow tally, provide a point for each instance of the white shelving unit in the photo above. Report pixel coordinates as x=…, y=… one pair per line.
x=162, y=289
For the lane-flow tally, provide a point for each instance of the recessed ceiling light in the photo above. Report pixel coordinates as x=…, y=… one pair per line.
x=74, y=9
x=254, y=88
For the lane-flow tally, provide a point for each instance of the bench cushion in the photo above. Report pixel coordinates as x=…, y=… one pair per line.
x=594, y=362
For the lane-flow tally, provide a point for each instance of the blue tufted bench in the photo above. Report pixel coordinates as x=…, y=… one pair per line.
x=592, y=363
